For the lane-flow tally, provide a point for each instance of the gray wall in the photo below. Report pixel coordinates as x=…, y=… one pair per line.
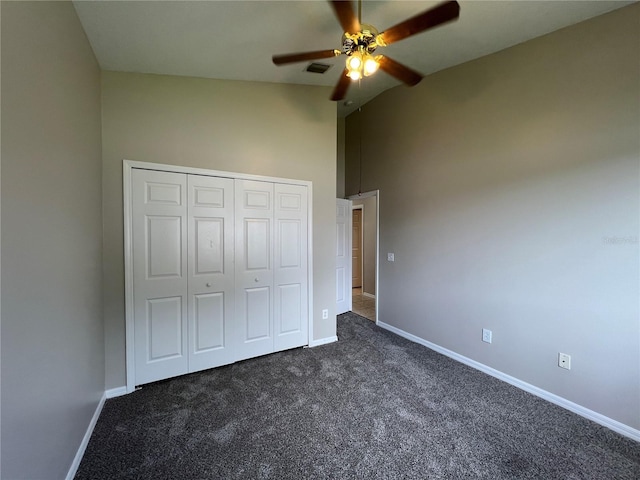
x=52, y=332
x=340, y=157
x=258, y=128
x=352, y=152
x=509, y=194
x=369, y=243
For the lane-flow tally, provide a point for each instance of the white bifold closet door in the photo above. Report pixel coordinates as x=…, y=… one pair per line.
x=219, y=269
x=211, y=272
x=290, y=273
x=271, y=266
x=254, y=267
x=159, y=274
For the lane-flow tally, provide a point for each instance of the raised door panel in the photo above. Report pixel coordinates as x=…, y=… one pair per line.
x=211, y=272
x=257, y=308
x=257, y=244
x=159, y=212
x=164, y=246
x=254, y=267
x=209, y=325
x=289, y=245
x=164, y=328
x=209, y=245
x=291, y=315
x=291, y=288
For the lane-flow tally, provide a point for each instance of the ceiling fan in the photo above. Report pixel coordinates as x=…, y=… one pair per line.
x=360, y=41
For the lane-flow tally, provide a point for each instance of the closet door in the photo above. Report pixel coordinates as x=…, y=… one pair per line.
x=159, y=230
x=211, y=272
x=291, y=314
x=254, y=267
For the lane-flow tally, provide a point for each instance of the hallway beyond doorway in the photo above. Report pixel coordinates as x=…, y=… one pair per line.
x=363, y=305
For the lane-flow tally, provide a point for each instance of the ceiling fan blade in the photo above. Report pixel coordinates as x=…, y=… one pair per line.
x=445, y=12
x=304, y=56
x=341, y=87
x=346, y=16
x=398, y=70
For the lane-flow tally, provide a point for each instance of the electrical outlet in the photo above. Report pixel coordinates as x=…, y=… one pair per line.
x=564, y=361
x=391, y=257
x=325, y=314
x=486, y=335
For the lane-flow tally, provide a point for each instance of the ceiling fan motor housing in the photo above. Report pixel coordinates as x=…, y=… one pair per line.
x=363, y=41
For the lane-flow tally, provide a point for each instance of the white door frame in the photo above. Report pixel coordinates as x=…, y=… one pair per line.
x=359, y=196
x=127, y=167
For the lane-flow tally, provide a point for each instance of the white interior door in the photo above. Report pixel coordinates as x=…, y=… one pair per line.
x=211, y=271
x=343, y=255
x=356, y=250
x=159, y=213
x=254, y=267
x=291, y=315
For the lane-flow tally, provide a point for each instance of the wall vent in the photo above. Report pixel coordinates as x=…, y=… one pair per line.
x=317, y=67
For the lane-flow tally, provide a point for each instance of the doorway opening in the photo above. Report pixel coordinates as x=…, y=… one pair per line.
x=365, y=254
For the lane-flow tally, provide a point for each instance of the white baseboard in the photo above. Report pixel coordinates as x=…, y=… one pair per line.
x=323, y=341
x=365, y=294
x=85, y=440
x=610, y=423
x=116, y=392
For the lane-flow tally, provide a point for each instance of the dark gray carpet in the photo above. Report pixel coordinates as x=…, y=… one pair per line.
x=371, y=406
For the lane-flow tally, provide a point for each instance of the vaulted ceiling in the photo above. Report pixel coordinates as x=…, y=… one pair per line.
x=235, y=39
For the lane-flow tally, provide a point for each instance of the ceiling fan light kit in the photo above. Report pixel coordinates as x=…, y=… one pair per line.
x=358, y=47
x=360, y=41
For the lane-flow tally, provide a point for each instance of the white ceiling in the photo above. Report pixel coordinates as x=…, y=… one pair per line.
x=235, y=39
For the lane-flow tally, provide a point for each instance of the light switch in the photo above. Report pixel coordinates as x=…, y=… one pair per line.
x=391, y=257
